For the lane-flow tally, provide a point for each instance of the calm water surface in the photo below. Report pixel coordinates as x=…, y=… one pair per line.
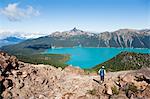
x=89, y=57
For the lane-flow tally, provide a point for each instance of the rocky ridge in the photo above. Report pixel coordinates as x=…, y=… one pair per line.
x=120, y=38
x=73, y=32
x=27, y=81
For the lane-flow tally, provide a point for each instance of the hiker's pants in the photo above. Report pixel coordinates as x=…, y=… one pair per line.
x=102, y=78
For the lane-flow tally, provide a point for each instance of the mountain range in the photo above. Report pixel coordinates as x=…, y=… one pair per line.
x=124, y=38
x=75, y=37
x=120, y=38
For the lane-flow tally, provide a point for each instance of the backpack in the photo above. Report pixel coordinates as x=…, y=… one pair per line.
x=101, y=72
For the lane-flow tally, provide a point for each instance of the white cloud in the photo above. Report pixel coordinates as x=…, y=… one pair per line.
x=27, y=35
x=15, y=13
x=6, y=33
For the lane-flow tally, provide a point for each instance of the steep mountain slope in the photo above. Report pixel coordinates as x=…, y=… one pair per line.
x=126, y=38
x=119, y=38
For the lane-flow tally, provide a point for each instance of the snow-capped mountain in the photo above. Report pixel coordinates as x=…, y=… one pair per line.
x=121, y=38
x=73, y=32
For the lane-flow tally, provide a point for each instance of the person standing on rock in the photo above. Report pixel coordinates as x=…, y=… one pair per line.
x=102, y=73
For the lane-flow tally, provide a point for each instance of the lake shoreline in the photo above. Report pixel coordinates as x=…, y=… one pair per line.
x=101, y=47
x=87, y=54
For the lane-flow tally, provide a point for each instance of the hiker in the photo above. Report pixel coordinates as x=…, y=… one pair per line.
x=102, y=73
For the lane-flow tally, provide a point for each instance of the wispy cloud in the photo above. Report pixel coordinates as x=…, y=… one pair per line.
x=15, y=13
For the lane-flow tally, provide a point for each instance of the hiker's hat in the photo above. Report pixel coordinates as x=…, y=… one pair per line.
x=103, y=66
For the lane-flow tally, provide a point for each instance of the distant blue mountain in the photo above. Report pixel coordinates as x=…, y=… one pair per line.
x=13, y=39
x=10, y=40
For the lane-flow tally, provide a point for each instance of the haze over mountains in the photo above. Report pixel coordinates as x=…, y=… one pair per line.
x=12, y=37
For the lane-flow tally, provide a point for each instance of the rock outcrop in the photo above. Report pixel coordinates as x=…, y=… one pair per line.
x=20, y=80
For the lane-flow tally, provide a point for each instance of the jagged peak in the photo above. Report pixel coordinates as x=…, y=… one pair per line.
x=75, y=30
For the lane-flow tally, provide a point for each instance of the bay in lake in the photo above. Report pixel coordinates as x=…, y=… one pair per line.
x=89, y=57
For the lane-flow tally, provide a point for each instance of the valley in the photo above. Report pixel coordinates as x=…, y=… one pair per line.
x=31, y=50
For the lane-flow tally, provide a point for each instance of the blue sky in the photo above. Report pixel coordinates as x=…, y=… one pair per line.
x=58, y=15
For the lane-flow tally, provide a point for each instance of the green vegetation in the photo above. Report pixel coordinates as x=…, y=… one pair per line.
x=131, y=87
x=28, y=51
x=115, y=90
x=125, y=61
x=31, y=55
x=56, y=60
x=92, y=92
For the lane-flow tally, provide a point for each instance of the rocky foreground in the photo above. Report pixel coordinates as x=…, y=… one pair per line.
x=20, y=80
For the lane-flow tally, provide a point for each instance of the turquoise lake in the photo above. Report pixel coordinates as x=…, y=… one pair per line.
x=89, y=57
